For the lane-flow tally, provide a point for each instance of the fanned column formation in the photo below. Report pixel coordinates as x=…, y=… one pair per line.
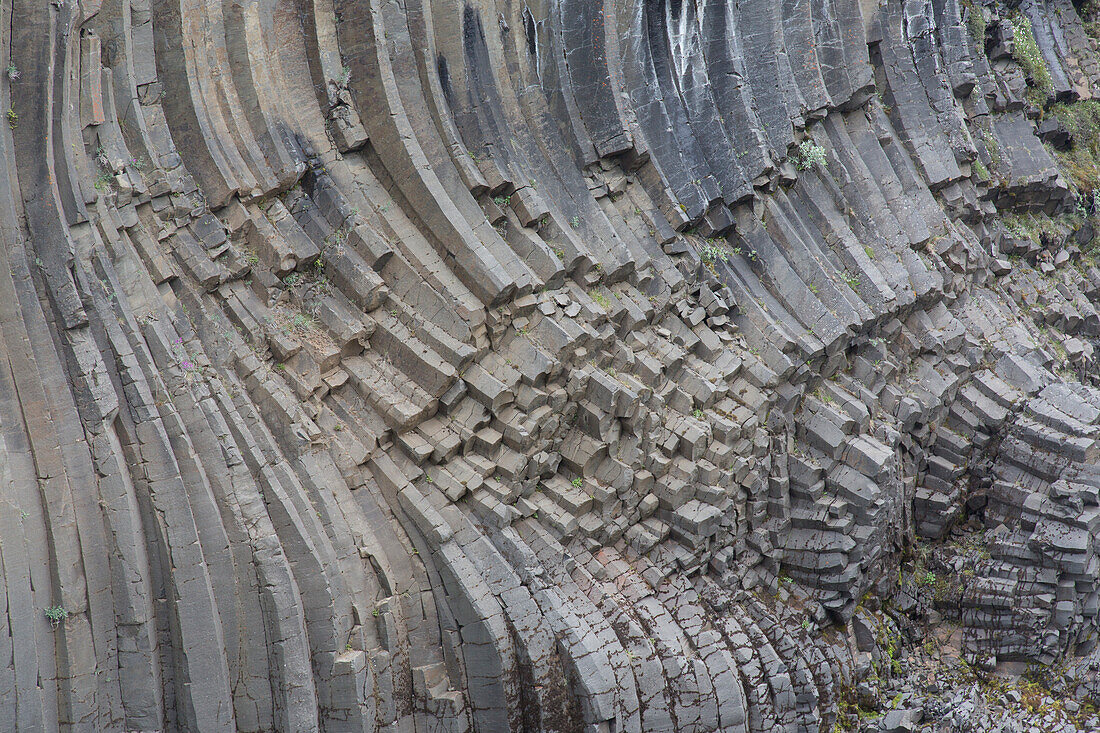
x=542, y=366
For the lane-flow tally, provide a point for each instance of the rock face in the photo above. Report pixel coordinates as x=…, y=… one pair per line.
x=534, y=366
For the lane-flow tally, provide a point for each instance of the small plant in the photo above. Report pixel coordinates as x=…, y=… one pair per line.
x=345, y=77
x=251, y=259
x=575, y=222
x=56, y=614
x=1082, y=119
x=13, y=72
x=577, y=482
x=1080, y=205
x=697, y=414
x=814, y=288
x=975, y=22
x=600, y=298
x=338, y=239
x=869, y=252
x=851, y=280
x=103, y=181
x=992, y=147
x=929, y=578
x=805, y=624
x=301, y=322
x=338, y=427
x=810, y=154
x=292, y=279
x=1027, y=54
x=502, y=201
x=714, y=252
x=979, y=169
x=13, y=119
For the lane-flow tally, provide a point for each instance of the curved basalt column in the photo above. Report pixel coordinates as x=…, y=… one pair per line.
x=535, y=366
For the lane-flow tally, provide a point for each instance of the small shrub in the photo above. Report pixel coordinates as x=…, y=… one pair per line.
x=301, y=322
x=975, y=22
x=1090, y=15
x=809, y=154
x=502, y=201
x=13, y=72
x=713, y=252
x=103, y=181
x=13, y=119
x=697, y=414
x=1027, y=54
x=1023, y=226
x=575, y=222
x=1082, y=204
x=992, y=147
x=56, y=614
x=1082, y=120
x=577, y=482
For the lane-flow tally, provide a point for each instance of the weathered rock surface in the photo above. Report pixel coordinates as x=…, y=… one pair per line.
x=536, y=366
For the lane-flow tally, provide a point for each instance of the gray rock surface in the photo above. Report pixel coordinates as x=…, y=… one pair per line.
x=549, y=366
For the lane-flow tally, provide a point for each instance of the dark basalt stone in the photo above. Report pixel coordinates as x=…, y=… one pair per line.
x=652, y=366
